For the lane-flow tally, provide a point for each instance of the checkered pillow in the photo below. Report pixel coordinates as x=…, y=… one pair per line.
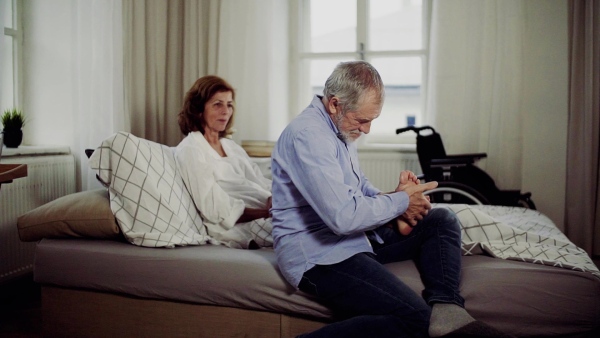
x=147, y=194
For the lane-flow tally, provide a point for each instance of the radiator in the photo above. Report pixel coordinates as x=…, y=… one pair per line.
x=383, y=168
x=48, y=177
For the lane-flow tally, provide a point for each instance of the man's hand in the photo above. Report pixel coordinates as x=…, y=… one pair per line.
x=418, y=204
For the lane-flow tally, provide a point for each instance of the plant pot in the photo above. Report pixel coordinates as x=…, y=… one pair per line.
x=12, y=138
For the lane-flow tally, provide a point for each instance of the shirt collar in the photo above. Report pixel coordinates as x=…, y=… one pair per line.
x=199, y=138
x=318, y=103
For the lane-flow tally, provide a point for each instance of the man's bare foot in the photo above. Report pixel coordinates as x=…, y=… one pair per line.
x=403, y=227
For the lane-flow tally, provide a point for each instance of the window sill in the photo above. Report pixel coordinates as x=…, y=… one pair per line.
x=386, y=147
x=23, y=150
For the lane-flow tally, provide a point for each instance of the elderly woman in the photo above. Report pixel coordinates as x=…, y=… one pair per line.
x=228, y=189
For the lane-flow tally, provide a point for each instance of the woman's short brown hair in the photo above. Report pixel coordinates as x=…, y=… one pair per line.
x=190, y=116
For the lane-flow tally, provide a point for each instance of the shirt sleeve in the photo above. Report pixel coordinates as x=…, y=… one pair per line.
x=319, y=177
x=367, y=188
x=219, y=210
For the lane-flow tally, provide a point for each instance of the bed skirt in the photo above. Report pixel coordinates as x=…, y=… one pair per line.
x=82, y=313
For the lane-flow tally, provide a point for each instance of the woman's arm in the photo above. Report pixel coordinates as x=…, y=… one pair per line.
x=251, y=214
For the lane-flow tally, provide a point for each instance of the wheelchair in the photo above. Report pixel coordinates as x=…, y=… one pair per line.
x=459, y=179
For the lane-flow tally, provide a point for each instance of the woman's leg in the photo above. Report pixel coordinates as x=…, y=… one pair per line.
x=374, y=301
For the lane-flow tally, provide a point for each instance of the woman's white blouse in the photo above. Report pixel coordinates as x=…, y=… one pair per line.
x=221, y=187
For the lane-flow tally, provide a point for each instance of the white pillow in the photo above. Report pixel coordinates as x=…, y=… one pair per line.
x=147, y=194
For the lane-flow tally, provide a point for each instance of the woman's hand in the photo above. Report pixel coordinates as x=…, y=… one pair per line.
x=269, y=203
x=251, y=214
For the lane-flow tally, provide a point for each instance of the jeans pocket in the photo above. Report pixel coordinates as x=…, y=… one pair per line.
x=307, y=286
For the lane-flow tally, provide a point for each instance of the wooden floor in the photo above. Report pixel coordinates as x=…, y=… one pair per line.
x=20, y=308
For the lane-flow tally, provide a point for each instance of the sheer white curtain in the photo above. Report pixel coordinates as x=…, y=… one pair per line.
x=582, y=217
x=98, y=79
x=2, y=107
x=168, y=45
x=475, y=82
x=253, y=57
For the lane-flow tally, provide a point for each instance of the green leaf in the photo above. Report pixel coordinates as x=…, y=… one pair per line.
x=13, y=119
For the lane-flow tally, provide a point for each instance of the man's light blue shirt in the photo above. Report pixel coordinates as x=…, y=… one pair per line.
x=322, y=202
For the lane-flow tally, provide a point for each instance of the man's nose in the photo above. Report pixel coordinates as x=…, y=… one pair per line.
x=365, y=128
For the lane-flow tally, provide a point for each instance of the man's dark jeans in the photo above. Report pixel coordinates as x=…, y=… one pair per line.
x=371, y=301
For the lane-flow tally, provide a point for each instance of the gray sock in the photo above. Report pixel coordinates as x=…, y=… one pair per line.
x=446, y=318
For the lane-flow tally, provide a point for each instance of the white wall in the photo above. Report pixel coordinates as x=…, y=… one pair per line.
x=545, y=106
x=257, y=68
x=47, y=74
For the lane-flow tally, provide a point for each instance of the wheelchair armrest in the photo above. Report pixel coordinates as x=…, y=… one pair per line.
x=474, y=156
x=449, y=162
x=456, y=160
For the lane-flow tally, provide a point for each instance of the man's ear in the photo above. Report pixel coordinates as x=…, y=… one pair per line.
x=334, y=105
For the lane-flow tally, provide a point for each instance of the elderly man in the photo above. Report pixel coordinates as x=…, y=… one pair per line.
x=333, y=230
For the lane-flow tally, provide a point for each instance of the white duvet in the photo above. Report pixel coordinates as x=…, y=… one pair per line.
x=518, y=234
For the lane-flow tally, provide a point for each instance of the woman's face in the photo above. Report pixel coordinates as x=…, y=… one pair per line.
x=217, y=111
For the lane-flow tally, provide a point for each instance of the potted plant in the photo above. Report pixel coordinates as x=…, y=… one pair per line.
x=13, y=121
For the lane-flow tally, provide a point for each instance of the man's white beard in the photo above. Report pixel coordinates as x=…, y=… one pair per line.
x=349, y=137
x=346, y=136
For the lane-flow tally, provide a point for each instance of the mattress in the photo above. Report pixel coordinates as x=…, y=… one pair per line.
x=211, y=275
x=522, y=298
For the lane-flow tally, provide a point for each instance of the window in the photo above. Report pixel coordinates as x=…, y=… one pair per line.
x=10, y=55
x=390, y=34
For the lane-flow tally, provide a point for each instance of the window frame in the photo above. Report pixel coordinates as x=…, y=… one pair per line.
x=16, y=32
x=298, y=77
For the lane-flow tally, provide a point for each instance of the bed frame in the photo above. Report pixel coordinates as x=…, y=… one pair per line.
x=81, y=313
x=95, y=284
x=91, y=288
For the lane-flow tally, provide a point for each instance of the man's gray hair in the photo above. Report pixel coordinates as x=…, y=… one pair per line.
x=350, y=81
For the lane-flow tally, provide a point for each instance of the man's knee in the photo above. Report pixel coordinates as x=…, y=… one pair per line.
x=444, y=218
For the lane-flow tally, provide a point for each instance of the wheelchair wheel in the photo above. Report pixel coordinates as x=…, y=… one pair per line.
x=526, y=202
x=455, y=193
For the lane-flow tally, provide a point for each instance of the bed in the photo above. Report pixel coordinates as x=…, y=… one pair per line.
x=108, y=268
